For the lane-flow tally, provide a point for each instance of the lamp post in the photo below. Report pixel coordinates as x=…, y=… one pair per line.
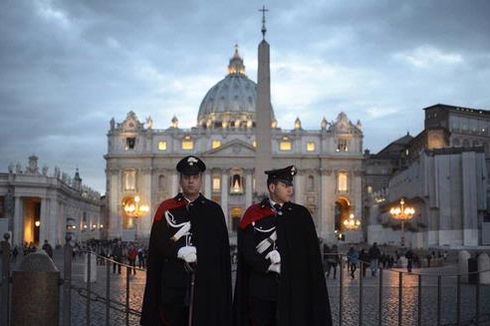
x=133, y=207
x=352, y=223
x=402, y=213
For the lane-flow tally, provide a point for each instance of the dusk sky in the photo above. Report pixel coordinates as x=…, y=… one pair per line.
x=68, y=67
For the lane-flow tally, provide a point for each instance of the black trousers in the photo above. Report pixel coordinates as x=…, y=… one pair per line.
x=263, y=312
x=175, y=315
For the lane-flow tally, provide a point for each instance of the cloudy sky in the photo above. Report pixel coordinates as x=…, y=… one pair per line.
x=67, y=67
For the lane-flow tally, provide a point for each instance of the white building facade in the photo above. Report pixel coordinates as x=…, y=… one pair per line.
x=36, y=205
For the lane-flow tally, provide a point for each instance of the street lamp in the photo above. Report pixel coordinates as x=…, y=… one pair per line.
x=133, y=207
x=402, y=213
x=352, y=223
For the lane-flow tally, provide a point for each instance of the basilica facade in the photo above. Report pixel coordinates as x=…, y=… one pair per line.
x=141, y=160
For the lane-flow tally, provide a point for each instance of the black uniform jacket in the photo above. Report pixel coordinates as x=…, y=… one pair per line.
x=302, y=297
x=166, y=275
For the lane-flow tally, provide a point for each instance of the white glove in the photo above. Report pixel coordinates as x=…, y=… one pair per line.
x=274, y=257
x=188, y=254
x=276, y=268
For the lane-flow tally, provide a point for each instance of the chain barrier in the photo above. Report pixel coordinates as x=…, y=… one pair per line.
x=114, y=304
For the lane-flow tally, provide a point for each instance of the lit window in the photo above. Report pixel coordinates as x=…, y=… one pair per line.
x=285, y=144
x=187, y=143
x=342, y=145
x=369, y=189
x=216, y=143
x=254, y=143
x=342, y=181
x=236, y=215
x=236, y=184
x=310, y=147
x=162, y=145
x=216, y=184
x=129, y=180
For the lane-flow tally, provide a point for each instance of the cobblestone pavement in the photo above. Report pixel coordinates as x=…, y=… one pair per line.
x=350, y=303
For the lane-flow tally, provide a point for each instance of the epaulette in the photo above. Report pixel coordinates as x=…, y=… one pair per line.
x=172, y=203
x=255, y=213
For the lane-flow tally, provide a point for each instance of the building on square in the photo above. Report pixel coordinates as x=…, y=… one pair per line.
x=442, y=173
x=141, y=159
x=37, y=204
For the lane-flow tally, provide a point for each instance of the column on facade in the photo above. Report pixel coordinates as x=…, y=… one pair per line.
x=207, y=184
x=327, y=205
x=298, y=188
x=224, y=194
x=44, y=220
x=174, y=185
x=57, y=224
x=144, y=223
x=470, y=212
x=62, y=218
x=356, y=199
x=18, y=231
x=115, y=220
x=248, y=188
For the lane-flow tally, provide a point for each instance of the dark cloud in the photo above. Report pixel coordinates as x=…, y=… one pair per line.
x=69, y=66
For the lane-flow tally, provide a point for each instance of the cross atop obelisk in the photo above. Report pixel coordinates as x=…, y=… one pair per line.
x=264, y=30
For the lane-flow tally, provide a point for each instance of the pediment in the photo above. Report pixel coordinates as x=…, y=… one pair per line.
x=343, y=125
x=234, y=147
x=131, y=123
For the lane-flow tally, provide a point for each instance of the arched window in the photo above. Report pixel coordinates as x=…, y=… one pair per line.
x=236, y=185
x=466, y=143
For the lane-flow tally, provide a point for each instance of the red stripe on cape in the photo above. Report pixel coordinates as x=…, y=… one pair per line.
x=255, y=213
x=168, y=205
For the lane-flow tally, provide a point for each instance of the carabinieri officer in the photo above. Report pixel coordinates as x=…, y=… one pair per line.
x=189, y=271
x=280, y=278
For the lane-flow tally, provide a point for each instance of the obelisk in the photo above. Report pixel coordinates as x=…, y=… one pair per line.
x=263, y=115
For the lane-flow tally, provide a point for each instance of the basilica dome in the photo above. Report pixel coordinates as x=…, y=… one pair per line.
x=231, y=102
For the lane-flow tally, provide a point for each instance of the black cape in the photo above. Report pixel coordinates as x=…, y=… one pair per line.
x=303, y=297
x=212, y=291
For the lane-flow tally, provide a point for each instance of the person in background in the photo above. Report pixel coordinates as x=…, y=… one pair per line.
x=48, y=249
x=353, y=259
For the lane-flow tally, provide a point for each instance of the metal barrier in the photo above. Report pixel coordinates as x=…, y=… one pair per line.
x=5, y=281
x=91, y=296
x=477, y=318
x=395, y=296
